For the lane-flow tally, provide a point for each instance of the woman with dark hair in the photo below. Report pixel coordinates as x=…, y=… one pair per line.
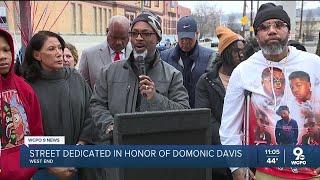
x=20, y=114
x=63, y=93
x=211, y=87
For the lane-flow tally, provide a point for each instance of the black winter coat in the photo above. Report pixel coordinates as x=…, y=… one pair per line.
x=210, y=93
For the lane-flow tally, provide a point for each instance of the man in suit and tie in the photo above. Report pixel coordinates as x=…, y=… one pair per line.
x=114, y=49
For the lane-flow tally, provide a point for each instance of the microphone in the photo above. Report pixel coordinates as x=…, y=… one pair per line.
x=140, y=57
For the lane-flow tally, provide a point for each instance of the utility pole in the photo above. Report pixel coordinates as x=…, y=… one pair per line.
x=301, y=16
x=251, y=19
x=244, y=14
x=257, y=5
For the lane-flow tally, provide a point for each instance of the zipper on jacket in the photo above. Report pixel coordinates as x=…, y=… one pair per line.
x=216, y=85
x=127, y=98
x=134, y=95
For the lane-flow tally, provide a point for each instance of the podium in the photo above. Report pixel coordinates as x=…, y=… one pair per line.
x=178, y=127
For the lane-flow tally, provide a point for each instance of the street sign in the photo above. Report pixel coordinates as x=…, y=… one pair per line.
x=244, y=20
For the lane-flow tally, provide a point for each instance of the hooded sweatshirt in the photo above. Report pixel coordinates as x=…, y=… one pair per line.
x=20, y=116
x=273, y=84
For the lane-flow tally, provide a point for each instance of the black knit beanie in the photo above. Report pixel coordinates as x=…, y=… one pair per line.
x=152, y=19
x=270, y=11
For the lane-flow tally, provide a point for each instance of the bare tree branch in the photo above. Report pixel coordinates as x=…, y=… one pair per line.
x=208, y=18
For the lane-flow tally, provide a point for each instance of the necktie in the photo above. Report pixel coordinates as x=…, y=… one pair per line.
x=117, y=57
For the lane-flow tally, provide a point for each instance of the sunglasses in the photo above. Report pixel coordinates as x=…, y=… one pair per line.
x=276, y=81
x=277, y=25
x=144, y=35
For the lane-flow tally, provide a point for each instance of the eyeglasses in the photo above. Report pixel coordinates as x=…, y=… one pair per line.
x=310, y=124
x=277, y=24
x=276, y=81
x=144, y=35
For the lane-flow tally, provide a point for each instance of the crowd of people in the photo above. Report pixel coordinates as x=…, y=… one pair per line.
x=46, y=95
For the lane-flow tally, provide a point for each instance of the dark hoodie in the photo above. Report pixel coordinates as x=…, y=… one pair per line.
x=20, y=116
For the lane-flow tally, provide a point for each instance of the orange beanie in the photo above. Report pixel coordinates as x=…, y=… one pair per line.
x=226, y=37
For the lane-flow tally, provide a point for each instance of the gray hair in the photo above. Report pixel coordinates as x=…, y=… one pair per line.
x=119, y=19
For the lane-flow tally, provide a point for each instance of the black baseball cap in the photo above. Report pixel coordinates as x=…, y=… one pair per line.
x=186, y=27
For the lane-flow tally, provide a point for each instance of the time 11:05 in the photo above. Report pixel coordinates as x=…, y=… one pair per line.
x=272, y=151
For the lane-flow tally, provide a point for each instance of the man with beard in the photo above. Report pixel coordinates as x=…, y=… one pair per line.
x=124, y=88
x=272, y=30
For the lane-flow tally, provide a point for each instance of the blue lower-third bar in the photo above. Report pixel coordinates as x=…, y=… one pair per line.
x=169, y=156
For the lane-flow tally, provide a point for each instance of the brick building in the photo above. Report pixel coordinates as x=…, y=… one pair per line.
x=86, y=17
x=183, y=11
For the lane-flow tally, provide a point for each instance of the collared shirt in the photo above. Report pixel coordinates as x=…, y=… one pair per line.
x=122, y=54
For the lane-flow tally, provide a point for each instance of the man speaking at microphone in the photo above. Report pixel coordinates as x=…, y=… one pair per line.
x=143, y=82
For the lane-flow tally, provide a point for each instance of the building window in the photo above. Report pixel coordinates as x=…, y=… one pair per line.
x=105, y=19
x=3, y=19
x=80, y=18
x=173, y=24
x=3, y=22
x=130, y=16
x=156, y=3
x=95, y=20
x=147, y=3
x=74, y=18
x=110, y=14
x=173, y=4
x=3, y=15
x=100, y=18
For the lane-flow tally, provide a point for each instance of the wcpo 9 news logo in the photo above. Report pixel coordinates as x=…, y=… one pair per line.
x=299, y=157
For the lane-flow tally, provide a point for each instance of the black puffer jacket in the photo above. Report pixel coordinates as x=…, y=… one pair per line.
x=210, y=93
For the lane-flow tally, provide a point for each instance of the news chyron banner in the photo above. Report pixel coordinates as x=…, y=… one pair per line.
x=43, y=154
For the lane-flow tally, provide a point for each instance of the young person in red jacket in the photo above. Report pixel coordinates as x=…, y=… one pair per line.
x=20, y=114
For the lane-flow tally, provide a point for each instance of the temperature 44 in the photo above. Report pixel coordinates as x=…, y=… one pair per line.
x=272, y=160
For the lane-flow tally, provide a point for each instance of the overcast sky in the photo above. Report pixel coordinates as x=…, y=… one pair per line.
x=237, y=6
